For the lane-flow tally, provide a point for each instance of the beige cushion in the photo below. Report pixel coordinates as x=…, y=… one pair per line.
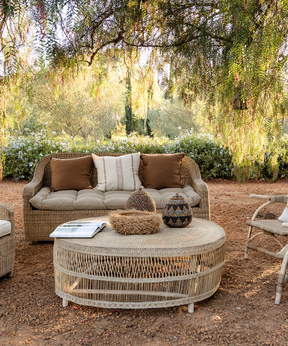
x=71, y=174
x=5, y=228
x=97, y=200
x=162, y=196
x=68, y=200
x=162, y=170
x=116, y=199
x=118, y=173
x=284, y=215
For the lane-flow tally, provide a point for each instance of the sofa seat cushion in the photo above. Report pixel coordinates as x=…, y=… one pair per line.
x=68, y=200
x=162, y=196
x=97, y=200
x=5, y=228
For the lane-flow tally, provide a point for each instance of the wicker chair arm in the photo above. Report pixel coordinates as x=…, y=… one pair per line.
x=7, y=213
x=36, y=183
x=259, y=196
x=277, y=198
x=258, y=209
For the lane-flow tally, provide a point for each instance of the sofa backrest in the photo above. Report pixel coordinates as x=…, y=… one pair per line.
x=47, y=172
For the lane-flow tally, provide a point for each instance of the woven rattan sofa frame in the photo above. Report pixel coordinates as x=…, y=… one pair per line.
x=7, y=242
x=38, y=224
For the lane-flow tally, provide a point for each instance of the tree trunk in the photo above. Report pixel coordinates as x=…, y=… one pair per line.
x=128, y=105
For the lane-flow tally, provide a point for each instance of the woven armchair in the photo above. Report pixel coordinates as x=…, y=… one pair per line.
x=274, y=229
x=7, y=242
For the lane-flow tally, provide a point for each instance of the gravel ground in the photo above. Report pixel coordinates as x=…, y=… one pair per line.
x=241, y=312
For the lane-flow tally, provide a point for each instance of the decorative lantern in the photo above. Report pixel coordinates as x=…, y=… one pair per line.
x=177, y=212
x=141, y=200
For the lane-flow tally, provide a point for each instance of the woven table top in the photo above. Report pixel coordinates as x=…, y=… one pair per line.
x=198, y=237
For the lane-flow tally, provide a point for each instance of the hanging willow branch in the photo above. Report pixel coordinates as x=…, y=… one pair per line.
x=231, y=53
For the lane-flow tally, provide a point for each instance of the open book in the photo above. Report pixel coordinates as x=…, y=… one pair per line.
x=78, y=229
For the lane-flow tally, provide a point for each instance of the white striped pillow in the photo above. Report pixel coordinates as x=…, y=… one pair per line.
x=117, y=172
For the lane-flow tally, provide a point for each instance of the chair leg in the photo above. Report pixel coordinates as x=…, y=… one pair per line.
x=281, y=279
x=191, y=308
x=247, y=241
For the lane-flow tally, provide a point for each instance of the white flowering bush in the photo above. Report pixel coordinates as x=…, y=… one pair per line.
x=22, y=154
x=214, y=161
x=134, y=144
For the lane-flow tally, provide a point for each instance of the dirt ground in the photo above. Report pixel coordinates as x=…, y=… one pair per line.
x=241, y=312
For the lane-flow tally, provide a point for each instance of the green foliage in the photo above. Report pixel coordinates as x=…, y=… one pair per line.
x=214, y=160
x=172, y=118
x=233, y=54
x=73, y=101
x=23, y=154
x=266, y=169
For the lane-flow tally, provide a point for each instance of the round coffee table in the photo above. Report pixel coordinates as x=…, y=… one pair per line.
x=174, y=266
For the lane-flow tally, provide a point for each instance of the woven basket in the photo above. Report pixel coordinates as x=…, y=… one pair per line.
x=177, y=212
x=141, y=200
x=134, y=221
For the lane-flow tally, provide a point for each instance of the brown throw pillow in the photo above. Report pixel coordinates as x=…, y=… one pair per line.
x=162, y=170
x=71, y=174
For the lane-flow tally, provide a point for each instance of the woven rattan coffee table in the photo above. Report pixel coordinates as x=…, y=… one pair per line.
x=174, y=266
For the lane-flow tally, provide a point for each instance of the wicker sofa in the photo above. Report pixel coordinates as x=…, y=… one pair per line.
x=39, y=223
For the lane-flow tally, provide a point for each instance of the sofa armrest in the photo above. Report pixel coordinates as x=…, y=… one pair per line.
x=36, y=183
x=7, y=213
x=192, y=176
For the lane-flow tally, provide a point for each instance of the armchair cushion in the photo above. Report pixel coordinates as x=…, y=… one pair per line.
x=284, y=216
x=5, y=228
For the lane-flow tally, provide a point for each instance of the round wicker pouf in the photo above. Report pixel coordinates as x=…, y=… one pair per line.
x=128, y=222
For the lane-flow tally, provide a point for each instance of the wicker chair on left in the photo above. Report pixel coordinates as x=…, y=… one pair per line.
x=7, y=240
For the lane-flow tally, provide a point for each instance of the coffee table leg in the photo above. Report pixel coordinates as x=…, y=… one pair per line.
x=191, y=308
x=64, y=303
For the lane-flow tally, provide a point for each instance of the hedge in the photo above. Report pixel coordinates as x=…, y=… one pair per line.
x=215, y=161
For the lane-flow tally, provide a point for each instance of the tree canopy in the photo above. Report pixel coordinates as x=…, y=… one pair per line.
x=230, y=53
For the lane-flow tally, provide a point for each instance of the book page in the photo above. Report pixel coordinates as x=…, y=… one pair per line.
x=78, y=229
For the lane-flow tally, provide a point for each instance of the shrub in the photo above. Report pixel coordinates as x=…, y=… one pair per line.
x=267, y=172
x=215, y=161
x=22, y=154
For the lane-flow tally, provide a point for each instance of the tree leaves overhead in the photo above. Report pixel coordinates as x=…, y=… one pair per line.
x=230, y=53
